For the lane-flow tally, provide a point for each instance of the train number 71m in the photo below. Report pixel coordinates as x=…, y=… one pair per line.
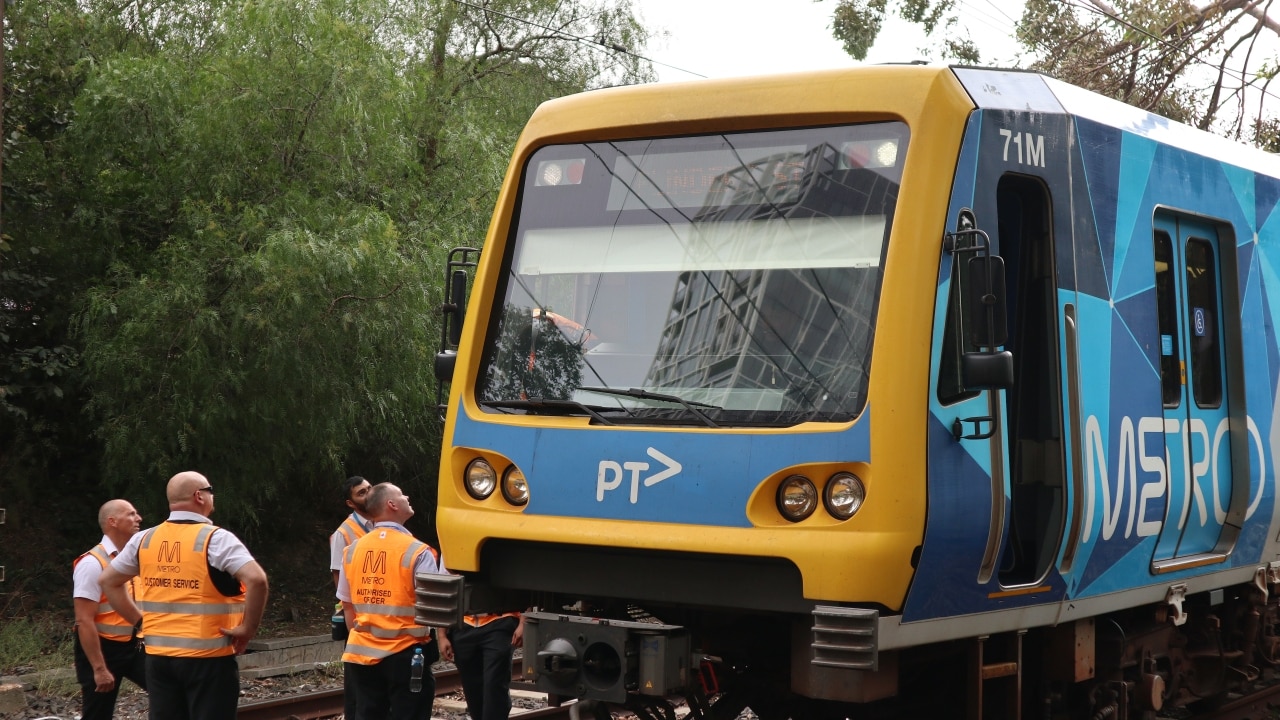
x=1030, y=147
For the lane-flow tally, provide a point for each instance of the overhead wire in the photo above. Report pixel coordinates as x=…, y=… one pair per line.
x=999, y=22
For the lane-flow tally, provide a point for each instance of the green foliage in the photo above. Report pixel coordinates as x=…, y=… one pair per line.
x=250, y=365
x=857, y=24
x=245, y=207
x=39, y=643
x=30, y=374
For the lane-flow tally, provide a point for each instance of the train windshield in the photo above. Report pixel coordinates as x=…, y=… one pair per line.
x=719, y=280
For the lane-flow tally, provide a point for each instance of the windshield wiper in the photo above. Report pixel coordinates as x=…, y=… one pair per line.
x=646, y=395
x=594, y=412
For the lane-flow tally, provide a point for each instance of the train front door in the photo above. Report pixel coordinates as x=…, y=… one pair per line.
x=1192, y=451
x=1033, y=427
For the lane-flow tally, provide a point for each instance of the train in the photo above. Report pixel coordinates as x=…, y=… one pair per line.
x=887, y=391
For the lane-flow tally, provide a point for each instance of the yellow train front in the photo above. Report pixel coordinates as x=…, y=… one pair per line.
x=800, y=394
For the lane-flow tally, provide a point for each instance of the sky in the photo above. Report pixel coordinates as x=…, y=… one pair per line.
x=724, y=38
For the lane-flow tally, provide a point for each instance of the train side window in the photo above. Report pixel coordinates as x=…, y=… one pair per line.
x=1203, y=324
x=1167, y=310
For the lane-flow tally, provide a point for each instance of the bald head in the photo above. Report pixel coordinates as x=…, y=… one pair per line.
x=387, y=503
x=119, y=520
x=191, y=491
x=110, y=509
x=183, y=485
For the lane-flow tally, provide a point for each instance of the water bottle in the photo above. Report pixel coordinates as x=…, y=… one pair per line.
x=415, y=670
x=338, y=626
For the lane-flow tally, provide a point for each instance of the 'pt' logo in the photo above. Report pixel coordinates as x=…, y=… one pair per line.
x=610, y=475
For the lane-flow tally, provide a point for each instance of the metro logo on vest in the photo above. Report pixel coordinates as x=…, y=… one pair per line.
x=374, y=565
x=170, y=552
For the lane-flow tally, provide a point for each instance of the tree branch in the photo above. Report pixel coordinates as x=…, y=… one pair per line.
x=348, y=296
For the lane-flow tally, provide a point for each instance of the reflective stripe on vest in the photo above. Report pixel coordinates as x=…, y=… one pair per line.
x=182, y=610
x=382, y=595
x=107, y=621
x=351, y=530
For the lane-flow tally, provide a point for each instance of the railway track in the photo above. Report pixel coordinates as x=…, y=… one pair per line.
x=1261, y=705
x=329, y=704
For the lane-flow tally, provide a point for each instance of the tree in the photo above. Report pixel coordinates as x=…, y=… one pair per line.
x=1205, y=66
x=857, y=24
x=259, y=199
x=49, y=47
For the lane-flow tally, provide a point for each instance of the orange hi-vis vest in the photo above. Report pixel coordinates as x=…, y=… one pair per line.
x=379, y=569
x=486, y=618
x=182, y=610
x=351, y=529
x=108, y=622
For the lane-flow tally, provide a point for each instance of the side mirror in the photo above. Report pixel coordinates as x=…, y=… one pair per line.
x=985, y=302
x=987, y=370
x=455, y=308
x=444, y=364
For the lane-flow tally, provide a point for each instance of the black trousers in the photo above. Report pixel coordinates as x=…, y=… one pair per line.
x=350, y=698
x=183, y=688
x=124, y=659
x=483, y=656
x=382, y=689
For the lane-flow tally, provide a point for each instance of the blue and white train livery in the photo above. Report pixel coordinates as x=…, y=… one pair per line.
x=870, y=393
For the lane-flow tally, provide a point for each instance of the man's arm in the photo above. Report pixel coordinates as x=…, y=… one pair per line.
x=86, y=611
x=444, y=644
x=254, y=579
x=112, y=582
x=517, y=637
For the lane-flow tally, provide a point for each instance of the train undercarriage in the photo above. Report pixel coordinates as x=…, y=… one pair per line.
x=1192, y=652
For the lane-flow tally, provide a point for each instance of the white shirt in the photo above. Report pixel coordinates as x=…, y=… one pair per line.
x=426, y=563
x=84, y=579
x=225, y=550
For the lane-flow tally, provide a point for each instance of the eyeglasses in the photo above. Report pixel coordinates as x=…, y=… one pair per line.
x=208, y=489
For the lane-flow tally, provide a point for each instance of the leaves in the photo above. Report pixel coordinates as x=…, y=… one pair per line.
x=1201, y=65
x=246, y=207
x=857, y=24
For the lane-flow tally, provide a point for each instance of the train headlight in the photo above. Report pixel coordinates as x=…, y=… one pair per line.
x=844, y=495
x=797, y=498
x=514, y=487
x=480, y=479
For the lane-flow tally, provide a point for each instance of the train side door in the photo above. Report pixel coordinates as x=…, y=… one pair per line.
x=1192, y=451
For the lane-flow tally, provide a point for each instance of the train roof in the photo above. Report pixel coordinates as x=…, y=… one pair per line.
x=917, y=91
x=1018, y=90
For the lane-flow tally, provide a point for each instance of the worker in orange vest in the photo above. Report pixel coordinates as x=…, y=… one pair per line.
x=482, y=648
x=355, y=493
x=376, y=588
x=106, y=645
x=203, y=596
